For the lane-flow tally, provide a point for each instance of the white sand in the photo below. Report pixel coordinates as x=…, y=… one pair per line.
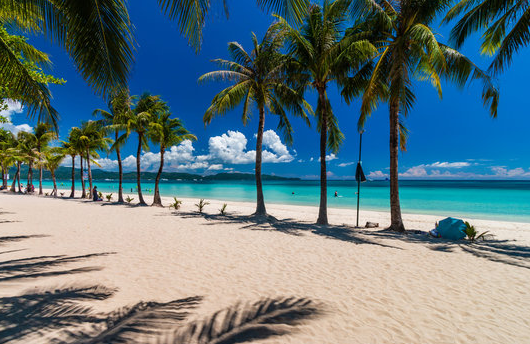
x=371, y=287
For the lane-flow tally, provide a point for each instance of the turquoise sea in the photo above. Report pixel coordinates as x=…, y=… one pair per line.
x=498, y=200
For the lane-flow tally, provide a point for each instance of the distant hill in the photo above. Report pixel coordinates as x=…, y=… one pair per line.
x=65, y=173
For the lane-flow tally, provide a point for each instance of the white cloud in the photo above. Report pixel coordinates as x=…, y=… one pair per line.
x=377, y=175
x=519, y=172
x=345, y=164
x=414, y=172
x=329, y=157
x=14, y=108
x=228, y=148
x=445, y=164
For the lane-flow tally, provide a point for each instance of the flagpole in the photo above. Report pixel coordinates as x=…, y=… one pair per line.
x=359, y=179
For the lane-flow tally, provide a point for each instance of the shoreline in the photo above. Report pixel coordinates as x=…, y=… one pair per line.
x=336, y=215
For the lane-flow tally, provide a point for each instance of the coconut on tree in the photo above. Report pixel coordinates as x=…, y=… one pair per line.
x=166, y=132
x=408, y=50
x=258, y=81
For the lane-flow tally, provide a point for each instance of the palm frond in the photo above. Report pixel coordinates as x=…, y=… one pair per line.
x=248, y=322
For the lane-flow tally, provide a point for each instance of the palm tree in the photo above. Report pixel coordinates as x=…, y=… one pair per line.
x=7, y=142
x=408, y=47
x=115, y=120
x=323, y=55
x=166, y=132
x=145, y=111
x=44, y=134
x=54, y=157
x=71, y=147
x=28, y=149
x=92, y=139
x=258, y=80
x=506, y=25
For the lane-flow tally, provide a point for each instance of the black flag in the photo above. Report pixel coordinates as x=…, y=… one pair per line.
x=359, y=174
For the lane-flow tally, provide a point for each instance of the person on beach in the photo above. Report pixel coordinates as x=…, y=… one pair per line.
x=95, y=194
x=336, y=194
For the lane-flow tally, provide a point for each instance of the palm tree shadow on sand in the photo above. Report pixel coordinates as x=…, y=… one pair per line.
x=64, y=315
x=292, y=227
x=500, y=251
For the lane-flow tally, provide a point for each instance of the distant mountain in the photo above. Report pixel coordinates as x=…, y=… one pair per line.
x=65, y=173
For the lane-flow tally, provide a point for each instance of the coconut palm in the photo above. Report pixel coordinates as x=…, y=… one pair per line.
x=146, y=110
x=96, y=35
x=408, y=48
x=44, y=134
x=7, y=141
x=28, y=150
x=324, y=55
x=166, y=132
x=22, y=76
x=91, y=140
x=506, y=26
x=115, y=121
x=71, y=147
x=258, y=79
x=53, y=158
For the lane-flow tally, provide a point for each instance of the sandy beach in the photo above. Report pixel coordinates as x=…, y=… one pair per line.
x=362, y=286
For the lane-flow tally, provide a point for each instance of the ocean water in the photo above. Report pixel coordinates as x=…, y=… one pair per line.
x=496, y=200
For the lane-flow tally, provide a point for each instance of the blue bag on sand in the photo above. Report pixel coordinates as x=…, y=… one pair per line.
x=450, y=228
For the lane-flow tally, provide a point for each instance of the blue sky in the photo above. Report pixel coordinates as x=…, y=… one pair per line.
x=450, y=138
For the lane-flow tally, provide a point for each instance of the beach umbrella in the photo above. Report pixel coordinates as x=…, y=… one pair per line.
x=451, y=228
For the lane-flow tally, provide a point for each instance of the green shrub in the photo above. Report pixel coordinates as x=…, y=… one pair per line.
x=222, y=211
x=175, y=205
x=108, y=197
x=129, y=199
x=473, y=234
x=200, y=206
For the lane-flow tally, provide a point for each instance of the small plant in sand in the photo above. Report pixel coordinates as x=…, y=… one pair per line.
x=222, y=211
x=62, y=194
x=175, y=205
x=100, y=194
x=108, y=197
x=129, y=199
x=473, y=234
x=46, y=194
x=200, y=206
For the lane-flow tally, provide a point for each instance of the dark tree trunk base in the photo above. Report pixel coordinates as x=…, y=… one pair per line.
x=397, y=228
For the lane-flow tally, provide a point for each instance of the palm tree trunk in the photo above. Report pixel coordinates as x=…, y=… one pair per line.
x=157, y=200
x=15, y=178
x=40, y=180
x=139, y=170
x=54, y=192
x=260, y=201
x=323, y=209
x=89, y=173
x=30, y=174
x=83, y=195
x=18, y=179
x=4, y=179
x=120, y=174
x=395, y=208
x=72, y=193
x=40, y=173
